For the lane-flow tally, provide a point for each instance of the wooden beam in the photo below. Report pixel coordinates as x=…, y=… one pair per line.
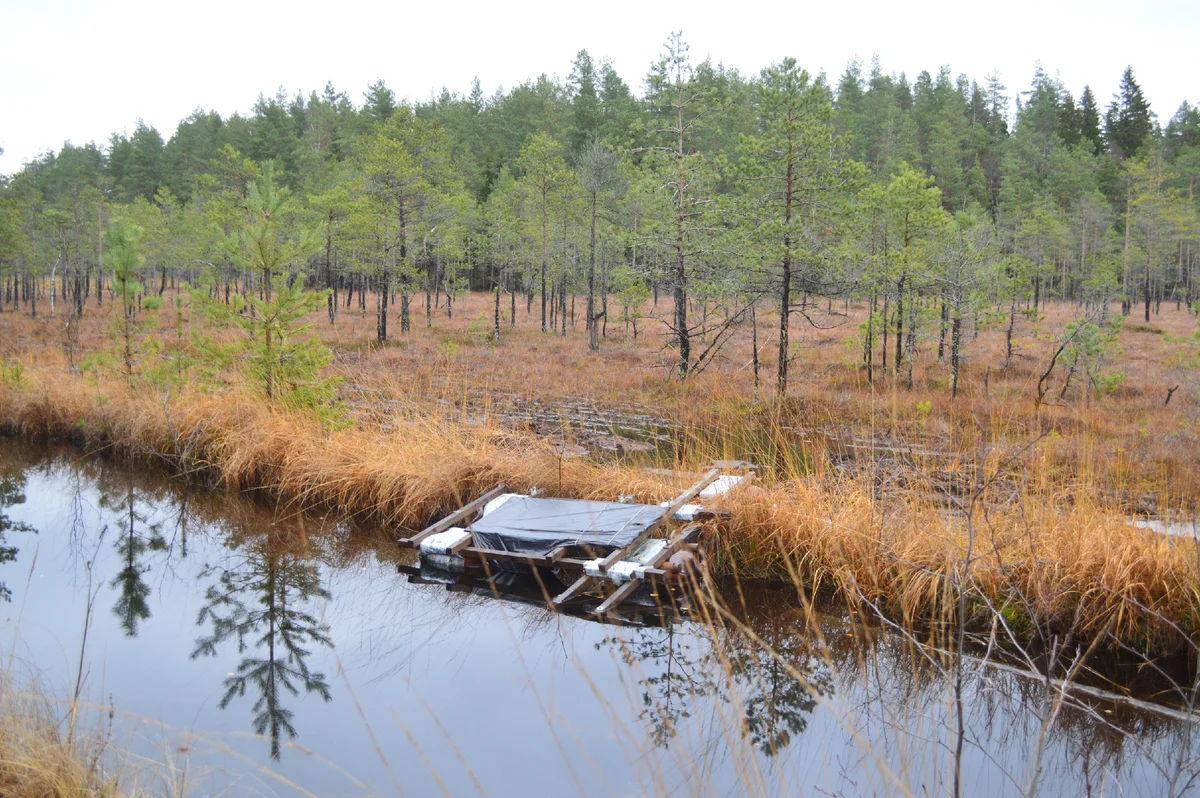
x=617, y=596
x=452, y=519
x=624, y=591
x=571, y=592
x=544, y=560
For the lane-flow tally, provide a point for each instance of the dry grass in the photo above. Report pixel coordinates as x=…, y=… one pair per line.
x=1051, y=488
x=42, y=757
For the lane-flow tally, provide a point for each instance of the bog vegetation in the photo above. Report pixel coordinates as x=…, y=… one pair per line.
x=959, y=336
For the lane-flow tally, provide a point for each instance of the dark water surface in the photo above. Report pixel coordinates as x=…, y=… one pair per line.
x=272, y=653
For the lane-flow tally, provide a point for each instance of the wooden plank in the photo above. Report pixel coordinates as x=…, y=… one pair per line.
x=573, y=561
x=577, y=586
x=462, y=544
x=512, y=556
x=452, y=519
x=617, y=596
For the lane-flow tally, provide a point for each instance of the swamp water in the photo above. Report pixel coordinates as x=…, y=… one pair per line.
x=263, y=652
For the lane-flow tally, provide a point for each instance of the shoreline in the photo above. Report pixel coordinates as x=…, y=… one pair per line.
x=1043, y=570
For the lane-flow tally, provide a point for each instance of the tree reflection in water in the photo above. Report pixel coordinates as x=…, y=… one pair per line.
x=138, y=538
x=678, y=670
x=769, y=667
x=260, y=606
x=779, y=674
x=12, y=492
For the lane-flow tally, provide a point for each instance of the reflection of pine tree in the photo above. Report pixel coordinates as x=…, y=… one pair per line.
x=258, y=606
x=12, y=491
x=682, y=671
x=778, y=679
x=132, y=603
x=777, y=702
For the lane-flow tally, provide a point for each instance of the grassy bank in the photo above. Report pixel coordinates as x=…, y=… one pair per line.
x=1042, y=565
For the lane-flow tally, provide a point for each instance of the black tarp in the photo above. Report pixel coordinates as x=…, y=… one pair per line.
x=527, y=525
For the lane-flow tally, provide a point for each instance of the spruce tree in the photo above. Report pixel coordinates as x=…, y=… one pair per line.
x=997, y=104
x=380, y=103
x=1088, y=117
x=1128, y=122
x=1069, y=129
x=620, y=108
x=587, y=115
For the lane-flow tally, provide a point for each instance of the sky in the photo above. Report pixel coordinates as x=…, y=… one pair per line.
x=78, y=71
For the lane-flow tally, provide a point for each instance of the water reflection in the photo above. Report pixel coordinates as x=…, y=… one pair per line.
x=260, y=605
x=780, y=672
x=677, y=670
x=251, y=594
x=138, y=536
x=12, y=492
x=764, y=663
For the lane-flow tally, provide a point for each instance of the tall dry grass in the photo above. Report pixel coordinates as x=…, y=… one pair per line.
x=1077, y=566
x=47, y=751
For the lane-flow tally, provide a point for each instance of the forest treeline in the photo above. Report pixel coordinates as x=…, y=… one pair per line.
x=721, y=194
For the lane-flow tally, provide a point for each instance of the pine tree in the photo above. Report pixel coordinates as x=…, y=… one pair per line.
x=280, y=360
x=796, y=167
x=123, y=254
x=598, y=176
x=677, y=104
x=544, y=172
x=1183, y=131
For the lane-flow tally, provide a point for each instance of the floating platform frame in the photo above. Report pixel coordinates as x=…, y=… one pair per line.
x=608, y=547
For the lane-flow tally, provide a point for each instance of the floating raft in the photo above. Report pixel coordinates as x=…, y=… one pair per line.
x=573, y=549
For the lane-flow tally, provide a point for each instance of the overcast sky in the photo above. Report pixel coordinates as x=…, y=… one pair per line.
x=80, y=70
